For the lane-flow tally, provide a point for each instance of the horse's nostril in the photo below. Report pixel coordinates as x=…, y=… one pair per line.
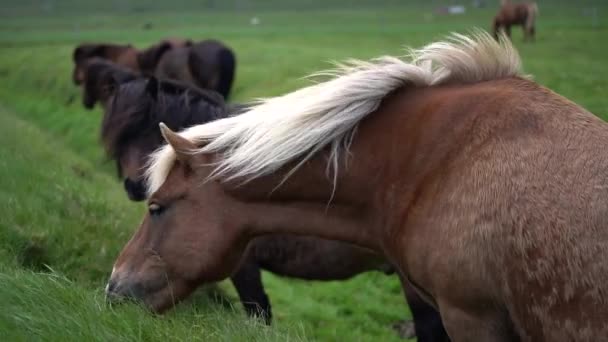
x=110, y=287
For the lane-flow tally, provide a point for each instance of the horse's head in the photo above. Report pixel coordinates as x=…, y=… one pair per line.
x=190, y=234
x=129, y=130
x=100, y=78
x=130, y=125
x=83, y=52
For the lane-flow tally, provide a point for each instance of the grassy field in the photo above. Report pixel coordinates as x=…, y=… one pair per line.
x=64, y=216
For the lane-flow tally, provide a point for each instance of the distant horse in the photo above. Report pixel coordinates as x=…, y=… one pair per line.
x=485, y=190
x=98, y=75
x=123, y=55
x=510, y=14
x=208, y=64
x=130, y=133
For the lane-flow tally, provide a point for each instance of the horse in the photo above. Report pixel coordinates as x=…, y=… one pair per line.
x=130, y=132
x=126, y=56
x=485, y=190
x=523, y=14
x=98, y=77
x=208, y=64
x=123, y=55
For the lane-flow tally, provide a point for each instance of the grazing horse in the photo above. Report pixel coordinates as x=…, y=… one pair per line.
x=98, y=77
x=485, y=190
x=126, y=56
x=129, y=129
x=130, y=133
x=510, y=14
x=208, y=64
x=123, y=55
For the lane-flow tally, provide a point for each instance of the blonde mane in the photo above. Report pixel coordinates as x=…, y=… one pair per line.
x=297, y=125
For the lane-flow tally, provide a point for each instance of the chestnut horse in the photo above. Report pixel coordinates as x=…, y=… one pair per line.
x=130, y=133
x=510, y=14
x=485, y=190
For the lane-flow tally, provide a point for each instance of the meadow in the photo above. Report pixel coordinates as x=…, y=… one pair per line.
x=64, y=215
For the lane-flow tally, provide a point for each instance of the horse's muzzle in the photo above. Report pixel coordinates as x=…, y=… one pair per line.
x=136, y=190
x=118, y=291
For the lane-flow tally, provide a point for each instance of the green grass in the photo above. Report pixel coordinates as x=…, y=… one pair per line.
x=64, y=216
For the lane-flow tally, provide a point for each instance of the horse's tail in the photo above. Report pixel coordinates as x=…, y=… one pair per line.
x=227, y=66
x=213, y=70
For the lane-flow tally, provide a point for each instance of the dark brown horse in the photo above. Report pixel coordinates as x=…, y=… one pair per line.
x=485, y=190
x=208, y=64
x=130, y=133
x=510, y=14
x=98, y=77
x=129, y=128
x=123, y=55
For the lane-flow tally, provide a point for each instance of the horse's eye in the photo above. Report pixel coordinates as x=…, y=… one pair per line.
x=155, y=209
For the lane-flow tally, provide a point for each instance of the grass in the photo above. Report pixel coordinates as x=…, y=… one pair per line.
x=64, y=216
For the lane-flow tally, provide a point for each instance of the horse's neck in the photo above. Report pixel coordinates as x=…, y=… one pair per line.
x=398, y=153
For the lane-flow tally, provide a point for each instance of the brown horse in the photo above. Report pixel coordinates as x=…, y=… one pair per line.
x=510, y=14
x=123, y=55
x=130, y=132
x=98, y=77
x=484, y=189
x=208, y=64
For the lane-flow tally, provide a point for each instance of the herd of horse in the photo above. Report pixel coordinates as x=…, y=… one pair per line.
x=481, y=190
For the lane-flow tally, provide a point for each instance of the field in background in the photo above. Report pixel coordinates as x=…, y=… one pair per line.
x=64, y=216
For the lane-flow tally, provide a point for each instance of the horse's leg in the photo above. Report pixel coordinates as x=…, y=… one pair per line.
x=495, y=28
x=427, y=321
x=526, y=30
x=533, y=33
x=248, y=283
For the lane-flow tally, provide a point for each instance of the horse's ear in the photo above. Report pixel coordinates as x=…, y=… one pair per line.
x=182, y=146
x=152, y=87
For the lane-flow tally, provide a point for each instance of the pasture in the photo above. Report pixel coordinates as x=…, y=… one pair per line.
x=64, y=215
